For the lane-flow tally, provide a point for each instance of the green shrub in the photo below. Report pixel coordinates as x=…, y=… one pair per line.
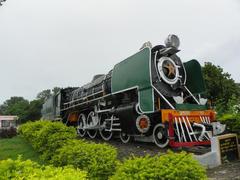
x=57, y=144
x=30, y=130
x=46, y=136
x=168, y=166
x=18, y=169
x=98, y=159
x=52, y=137
x=232, y=122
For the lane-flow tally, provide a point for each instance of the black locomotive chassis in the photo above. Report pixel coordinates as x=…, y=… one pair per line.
x=122, y=105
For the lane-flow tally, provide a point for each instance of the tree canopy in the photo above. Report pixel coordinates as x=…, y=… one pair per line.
x=16, y=106
x=45, y=94
x=221, y=88
x=24, y=109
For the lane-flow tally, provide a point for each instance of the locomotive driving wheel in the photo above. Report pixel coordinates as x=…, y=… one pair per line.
x=92, y=120
x=125, y=138
x=160, y=136
x=80, y=124
x=104, y=131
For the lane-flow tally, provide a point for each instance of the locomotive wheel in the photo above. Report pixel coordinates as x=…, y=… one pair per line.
x=106, y=135
x=160, y=136
x=91, y=121
x=80, y=123
x=125, y=138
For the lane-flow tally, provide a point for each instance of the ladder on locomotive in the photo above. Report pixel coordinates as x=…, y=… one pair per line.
x=114, y=124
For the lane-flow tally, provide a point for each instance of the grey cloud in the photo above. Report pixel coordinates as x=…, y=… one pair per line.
x=227, y=55
x=64, y=43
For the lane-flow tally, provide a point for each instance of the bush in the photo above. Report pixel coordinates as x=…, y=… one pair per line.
x=30, y=130
x=168, y=166
x=46, y=137
x=8, y=133
x=18, y=169
x=232, y=122
x=57, y=144
x=98, y=159
x=52, y=137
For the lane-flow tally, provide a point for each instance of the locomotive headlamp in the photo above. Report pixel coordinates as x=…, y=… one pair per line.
x=168, y=70
x=172, y=41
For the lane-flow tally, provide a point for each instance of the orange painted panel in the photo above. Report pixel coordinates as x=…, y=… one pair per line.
x=193, y=116
x=73, y=117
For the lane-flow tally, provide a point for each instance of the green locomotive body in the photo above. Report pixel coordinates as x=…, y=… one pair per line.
x=149, y=95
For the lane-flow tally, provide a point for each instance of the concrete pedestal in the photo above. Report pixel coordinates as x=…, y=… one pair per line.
x=214, y=158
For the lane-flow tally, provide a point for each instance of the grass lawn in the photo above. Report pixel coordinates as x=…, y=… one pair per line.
x=12, y=147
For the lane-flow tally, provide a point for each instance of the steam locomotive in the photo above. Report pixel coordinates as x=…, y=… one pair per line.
x=150, y=96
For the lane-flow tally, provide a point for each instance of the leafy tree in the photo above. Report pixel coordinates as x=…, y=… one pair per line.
x=55, y=90
x=45, y=94
x=24, y=109
x=34, y=111
x=16, y=106
x=221, y=88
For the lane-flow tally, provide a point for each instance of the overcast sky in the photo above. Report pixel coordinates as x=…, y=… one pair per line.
x=47, y=43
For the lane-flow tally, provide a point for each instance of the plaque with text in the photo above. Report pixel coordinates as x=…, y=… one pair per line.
x=228, y=146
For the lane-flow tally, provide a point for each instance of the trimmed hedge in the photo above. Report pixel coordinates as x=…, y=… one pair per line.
x=58, y=145
x=52, y=137
x=171, y=166
x=30, y=130
x=46, y=137
x=18, y=169
x=98, y=159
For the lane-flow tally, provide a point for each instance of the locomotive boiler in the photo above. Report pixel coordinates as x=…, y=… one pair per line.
x=151, y=95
